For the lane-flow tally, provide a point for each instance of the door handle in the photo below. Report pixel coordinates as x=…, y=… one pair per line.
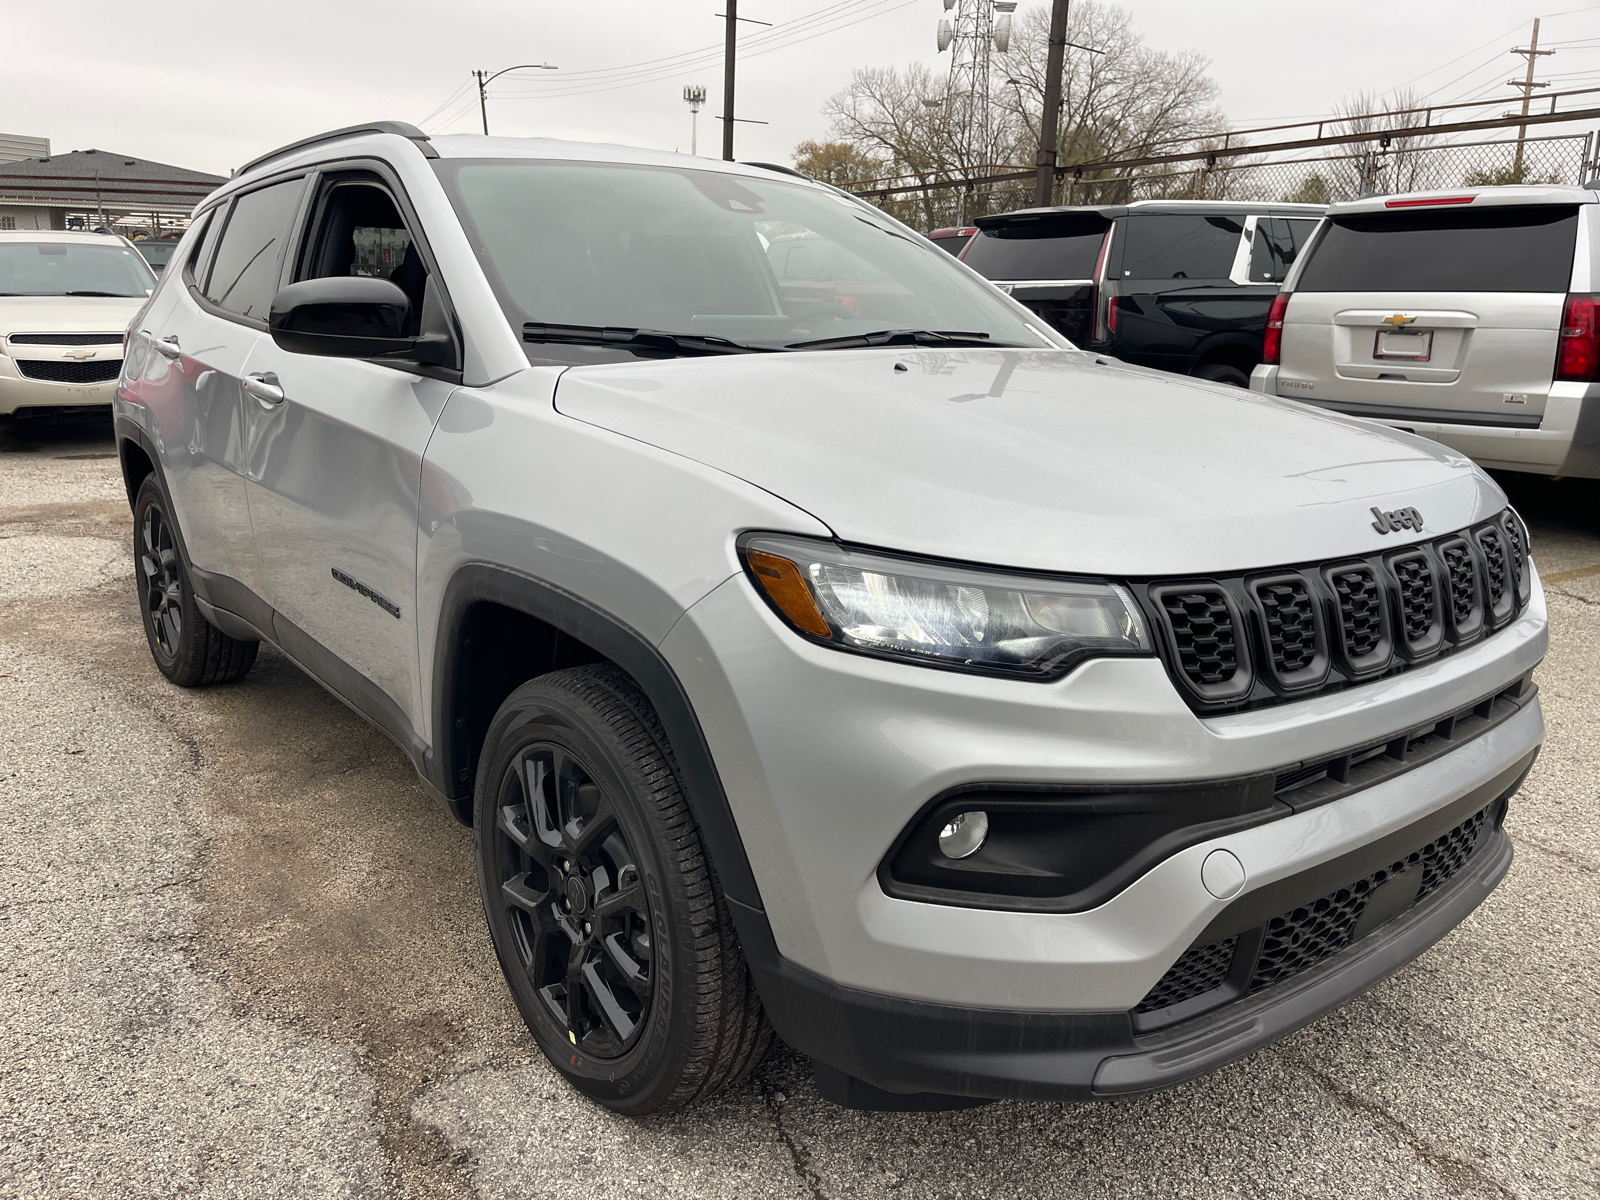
x=168, y=345
x=265, y=388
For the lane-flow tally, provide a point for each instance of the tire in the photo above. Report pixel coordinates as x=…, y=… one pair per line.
x=605, y=912
x=1223, y=373
x=188, y=649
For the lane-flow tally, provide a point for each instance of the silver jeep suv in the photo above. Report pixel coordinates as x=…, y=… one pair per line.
x=817, y=645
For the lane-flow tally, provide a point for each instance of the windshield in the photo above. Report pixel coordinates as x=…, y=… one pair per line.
x=72, y=269
x=762, y=263
x=157, y=254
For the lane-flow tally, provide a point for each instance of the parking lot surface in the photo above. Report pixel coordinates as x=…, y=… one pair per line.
x=241, y=954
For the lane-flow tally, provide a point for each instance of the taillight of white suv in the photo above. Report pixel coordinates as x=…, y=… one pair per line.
x=1578, y=350
x=1272, y=336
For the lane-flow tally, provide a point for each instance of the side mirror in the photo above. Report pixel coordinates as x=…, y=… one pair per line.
x=351, y=316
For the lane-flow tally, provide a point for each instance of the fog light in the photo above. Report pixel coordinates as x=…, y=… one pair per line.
x=963, y=836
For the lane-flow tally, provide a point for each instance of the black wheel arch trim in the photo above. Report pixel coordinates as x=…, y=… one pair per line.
x=481, y=582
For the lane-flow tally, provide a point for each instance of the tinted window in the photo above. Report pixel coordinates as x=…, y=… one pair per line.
x=683, y=250
x=1057, y=250
x=106, y=268
x=1490, y=250
x=244, y=277
x=200, y=257
x=360, y=232
x=954, y=244
x=1180, y=246
x=1278, y=241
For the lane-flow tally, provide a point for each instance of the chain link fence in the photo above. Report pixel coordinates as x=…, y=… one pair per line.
x=1323, y=179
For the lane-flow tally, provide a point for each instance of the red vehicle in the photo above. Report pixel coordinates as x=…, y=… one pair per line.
x=953, y=239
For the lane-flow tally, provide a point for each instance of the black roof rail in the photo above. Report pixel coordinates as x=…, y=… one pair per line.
x=401, y=128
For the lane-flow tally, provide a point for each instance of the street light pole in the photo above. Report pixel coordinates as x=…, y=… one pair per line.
x=1050, y=119
x=729, y=38
x=485, y=79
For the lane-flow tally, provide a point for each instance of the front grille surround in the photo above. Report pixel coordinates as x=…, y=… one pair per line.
x=1418, y=615
x=1374, y=616
x=1208, y=634
x=1361, y=617
x=1297, y=647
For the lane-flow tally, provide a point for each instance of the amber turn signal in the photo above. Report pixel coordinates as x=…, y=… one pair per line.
x=787, y=588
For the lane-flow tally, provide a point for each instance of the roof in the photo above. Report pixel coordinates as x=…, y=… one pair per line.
x=322, y=147
x=1469, y=197
x=103, y=179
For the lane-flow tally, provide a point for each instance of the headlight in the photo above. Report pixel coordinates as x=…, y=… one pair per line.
x=938, y=614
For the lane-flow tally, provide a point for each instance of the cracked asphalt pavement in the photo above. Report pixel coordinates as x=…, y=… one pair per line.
x=241, y=954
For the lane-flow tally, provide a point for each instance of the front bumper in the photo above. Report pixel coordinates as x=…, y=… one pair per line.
x=879, y=1052
x=826, y=757
x=17, y=392
x=1565, y=442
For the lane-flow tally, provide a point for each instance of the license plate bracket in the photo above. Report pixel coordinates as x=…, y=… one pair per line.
x=1410, y=345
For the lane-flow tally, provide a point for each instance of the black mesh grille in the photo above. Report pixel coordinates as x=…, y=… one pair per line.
x=1202, y=628
x=66, y=339
x=1360, y=608
x=1306, y=935
x=1291, y=626
x=1494, y=558
x=1198, y=971
x=69, y=372
x=1417, y=605
x=1463, y=587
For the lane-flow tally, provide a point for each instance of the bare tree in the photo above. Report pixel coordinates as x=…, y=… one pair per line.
x=1390, y=164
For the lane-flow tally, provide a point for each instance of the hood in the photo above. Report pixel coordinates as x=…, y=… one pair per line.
x=1046, y=459
x=67, y=314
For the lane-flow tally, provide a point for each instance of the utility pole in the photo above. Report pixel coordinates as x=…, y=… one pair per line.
x=730, y=38
x=483, y=104
x=1532, y=54
x=1050, y=119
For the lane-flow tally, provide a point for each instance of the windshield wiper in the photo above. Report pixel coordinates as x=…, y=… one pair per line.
x=113, y=295
x=647, y=340
x=902, y=337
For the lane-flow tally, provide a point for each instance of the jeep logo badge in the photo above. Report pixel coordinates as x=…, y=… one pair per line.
x=1400, y=518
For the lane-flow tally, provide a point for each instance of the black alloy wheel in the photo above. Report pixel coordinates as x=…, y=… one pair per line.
x=603, y=907
x=574, y=899
x=161, y=583
x=188, y=649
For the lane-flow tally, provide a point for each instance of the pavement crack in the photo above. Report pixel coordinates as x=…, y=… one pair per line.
x=1575, y=596
x=1571, y=858
x=774, y=1100
x=1462, y=1177
x=90, y=899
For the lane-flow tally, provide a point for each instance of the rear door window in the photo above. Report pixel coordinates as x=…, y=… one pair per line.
x=1180, y=246
x=1278, y=240
x=1047, y=250
x=244, y=277
x=1502, y=249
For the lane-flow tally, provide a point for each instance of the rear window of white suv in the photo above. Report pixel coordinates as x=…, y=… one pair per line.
x=1502, y=249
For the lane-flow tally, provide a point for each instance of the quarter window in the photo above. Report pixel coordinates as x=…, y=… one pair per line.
x=244, y=277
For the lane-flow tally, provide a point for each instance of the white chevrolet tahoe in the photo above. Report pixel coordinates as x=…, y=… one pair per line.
x=65, y=302
x=818, y=645
x=1468, y=316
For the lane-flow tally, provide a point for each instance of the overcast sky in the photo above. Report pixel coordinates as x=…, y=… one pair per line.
x=208, y=85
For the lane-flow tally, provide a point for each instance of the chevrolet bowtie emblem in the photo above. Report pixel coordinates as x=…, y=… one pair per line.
x=1398, y=320
x=79, y=355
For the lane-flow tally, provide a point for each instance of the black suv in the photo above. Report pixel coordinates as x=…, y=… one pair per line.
x=1182, y=285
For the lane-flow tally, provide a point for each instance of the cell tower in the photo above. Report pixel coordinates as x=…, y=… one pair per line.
x=973, y=31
